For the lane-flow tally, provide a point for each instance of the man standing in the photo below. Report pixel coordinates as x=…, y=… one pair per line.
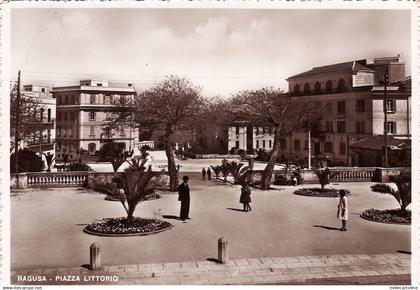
x=203, y=174
x=208, y=173
x=184, y=197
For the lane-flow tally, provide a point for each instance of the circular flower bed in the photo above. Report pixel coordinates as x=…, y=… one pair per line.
x=327, y=192
x=117, y=227
x=389, y=216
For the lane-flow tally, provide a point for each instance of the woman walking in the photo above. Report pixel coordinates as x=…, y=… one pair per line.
x=245, y=198
x=343, y=210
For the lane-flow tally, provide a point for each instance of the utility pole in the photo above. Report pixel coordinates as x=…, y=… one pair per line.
x=17, y=115
x=309, y=150
x=386, y=79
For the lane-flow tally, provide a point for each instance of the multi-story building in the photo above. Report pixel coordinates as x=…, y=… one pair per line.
x=352, y=94
x=82, y=113
x=42, y=139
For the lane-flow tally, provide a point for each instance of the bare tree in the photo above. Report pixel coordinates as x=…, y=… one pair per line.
x=26, y=110
x=171, y=104
x=275, y=109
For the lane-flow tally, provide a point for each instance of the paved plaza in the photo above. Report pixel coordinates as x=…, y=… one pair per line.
x=47, y=224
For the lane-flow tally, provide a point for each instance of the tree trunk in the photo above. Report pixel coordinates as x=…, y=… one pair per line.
x=172, y=170
x=268, y=170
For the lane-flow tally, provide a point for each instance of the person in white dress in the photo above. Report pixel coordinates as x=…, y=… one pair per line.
x=343, y=210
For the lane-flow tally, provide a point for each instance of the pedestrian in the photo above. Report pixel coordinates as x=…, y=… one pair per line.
x=184, y=197
x=203, y=174
x=343, y=210
x=177, y=167
x=208, y=173
x=245, y=198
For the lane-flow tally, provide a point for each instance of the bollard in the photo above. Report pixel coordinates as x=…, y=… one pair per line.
x=95, y=256
x=223, y=250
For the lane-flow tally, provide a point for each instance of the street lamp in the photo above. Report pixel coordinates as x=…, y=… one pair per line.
x=386, y=79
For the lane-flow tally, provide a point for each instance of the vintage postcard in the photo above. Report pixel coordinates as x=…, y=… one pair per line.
x=209, y=143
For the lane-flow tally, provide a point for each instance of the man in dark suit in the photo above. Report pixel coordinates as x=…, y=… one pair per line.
x=184, y=197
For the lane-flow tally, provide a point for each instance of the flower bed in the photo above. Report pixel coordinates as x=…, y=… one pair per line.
x=327, y=192
x=388, y=216
x=117, y=227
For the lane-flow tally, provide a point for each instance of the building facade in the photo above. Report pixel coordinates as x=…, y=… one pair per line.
x=42, y=140
x=352, y=95
x=82, y=113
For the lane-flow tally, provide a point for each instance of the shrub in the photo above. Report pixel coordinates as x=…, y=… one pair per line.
x=403, y=193
x=324, y=176
x=28, y=162
x=78, y=167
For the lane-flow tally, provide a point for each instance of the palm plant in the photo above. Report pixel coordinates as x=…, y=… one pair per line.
x=216, y=169
x=225, y=169
x=50, y=159
x=403, y=192
x=324, y=176
x=136, y=183
x=237, y=169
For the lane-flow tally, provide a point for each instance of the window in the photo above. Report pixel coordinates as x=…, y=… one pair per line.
x=92, y=130
x=341, y=86
x=296, y=90
x=122, y=131
x=257, y=131
x=306, y=147
x=283, y=144
x=43, y=90
x=360, y=106
x=72, y=116
x=341, y=107
x=390, y=106
x=65, y=116
x=92, y=98
x=328, y=108
x=237, y=130
x=66, y=99
x=328, y=147
x=306, y=89
x=58, y=116
x=329, y=86
x=391, y=127
x=72, y=99
x=341, y=127
x=329, y=127
x=99, y=85
x=41, y=117
x=92, y=116
x=49, y=136
x=342, y=148
x=317, y=88
x=296, y=145
x=237, y=144
x=49, y=115
x=92, y=147
x=360, y=127
x=269, y=143
x=258, y=143
x=264, y=144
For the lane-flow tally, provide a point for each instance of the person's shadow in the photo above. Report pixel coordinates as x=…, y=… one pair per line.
x=170, y=217
x=235, y=209
x=327, y=228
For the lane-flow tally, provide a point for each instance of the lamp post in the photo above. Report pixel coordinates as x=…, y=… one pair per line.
x=386, y=78
x=309, y=149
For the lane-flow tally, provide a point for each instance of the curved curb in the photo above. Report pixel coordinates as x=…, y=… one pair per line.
x=363, y=216
x=318, y=195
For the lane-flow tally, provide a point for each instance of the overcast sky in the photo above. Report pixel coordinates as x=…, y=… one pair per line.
x=222, y=50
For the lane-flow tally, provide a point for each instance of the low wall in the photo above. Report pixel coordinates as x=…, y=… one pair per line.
x=94, y=180
x=384, y=174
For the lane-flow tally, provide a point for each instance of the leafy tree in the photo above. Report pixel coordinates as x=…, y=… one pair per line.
x=174, y=103
x=136, y=183
x=113, y=152
x=403, y=192
x=50, y=159
x=324, y=175
x=278, y=110
x=28, y=162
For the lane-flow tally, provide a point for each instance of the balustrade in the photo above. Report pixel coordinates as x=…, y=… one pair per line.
x=57, y=179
